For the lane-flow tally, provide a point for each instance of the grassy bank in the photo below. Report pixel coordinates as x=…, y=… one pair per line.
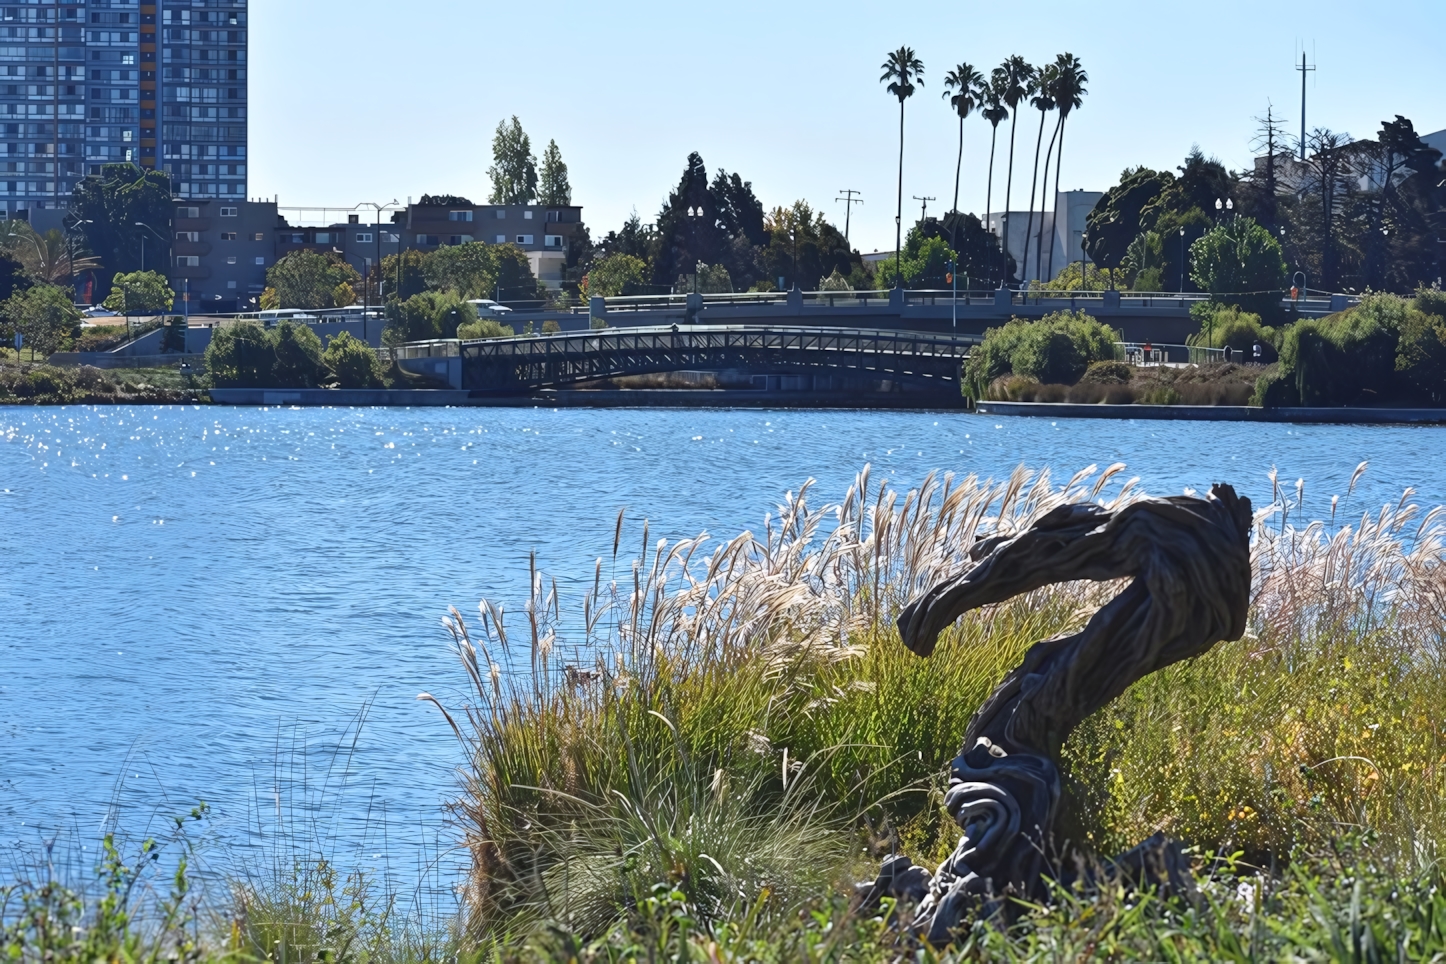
x=752, y=738
x=32, y=384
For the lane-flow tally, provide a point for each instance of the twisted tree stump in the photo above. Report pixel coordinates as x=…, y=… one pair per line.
x=1189, y=561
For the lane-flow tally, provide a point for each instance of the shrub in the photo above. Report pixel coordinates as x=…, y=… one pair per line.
x=1107, y=373
x=1344, y=359
x=298, y=355
x=484, y=328
x=353, y=362
x=1223, y=326
x=1057, y=348
x=550, y=327
x=308, y=279
x=1421, y=355
x=140, y=293
x=241, y=355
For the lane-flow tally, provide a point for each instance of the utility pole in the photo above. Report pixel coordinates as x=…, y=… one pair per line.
x=1303, y=71
x=924, y=209
x=850, y=200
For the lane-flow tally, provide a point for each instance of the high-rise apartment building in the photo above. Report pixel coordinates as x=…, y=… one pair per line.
x=83, y=83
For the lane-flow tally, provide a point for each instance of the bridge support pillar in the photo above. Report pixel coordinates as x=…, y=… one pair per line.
x=1003, y=298
x=1112, y=299
x=795, y=298
x=896, y=297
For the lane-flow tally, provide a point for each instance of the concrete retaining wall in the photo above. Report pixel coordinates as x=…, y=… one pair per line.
x=361, y=397
x=1218, y=413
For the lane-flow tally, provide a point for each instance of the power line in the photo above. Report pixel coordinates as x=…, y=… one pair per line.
x=924, y=210
x=848, y=196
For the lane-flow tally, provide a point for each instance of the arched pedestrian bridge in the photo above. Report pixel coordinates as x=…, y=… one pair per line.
x=516, y=366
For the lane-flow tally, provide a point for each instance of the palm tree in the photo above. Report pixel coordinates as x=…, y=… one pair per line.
x=903, y=70
x=1069, y=90
x=1013, y=76
x=1044, y=193
x=969, y=84
x=1040, y=88
x=994, y=112
x=48, y=257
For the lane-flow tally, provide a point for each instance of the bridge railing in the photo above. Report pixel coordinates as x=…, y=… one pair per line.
x=602, y=339
x=437, y=348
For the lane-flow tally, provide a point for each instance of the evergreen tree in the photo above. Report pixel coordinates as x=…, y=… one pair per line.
x=514, y=168
x=554, y=188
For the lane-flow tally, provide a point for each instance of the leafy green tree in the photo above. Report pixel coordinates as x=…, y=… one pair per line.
x=140, y=293
x=804, y=247
x=241, y=355
x=44, y=315
x=1115, y=221
x=554, y=187
x=981, y=263
x=1348, y=358
x=514, y=168
x=616, y=274
x=353, y=362
x=111, y=204
x=298, y=355
x=426, y=316
x=343, y=295
x=468, y=269
x=404, y=275
x=964, y=87
x=308, y=279
x=515, y=280
x=902, y=70
x=926, y=266
x=1240, y=263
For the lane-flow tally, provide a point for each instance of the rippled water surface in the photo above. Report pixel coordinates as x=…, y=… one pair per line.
x=196, y=603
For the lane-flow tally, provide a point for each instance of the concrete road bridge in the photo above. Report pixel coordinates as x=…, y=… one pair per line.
x=1160, y=317
x=814, y=359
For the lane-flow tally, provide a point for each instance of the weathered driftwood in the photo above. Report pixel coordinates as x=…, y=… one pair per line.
x=1189, y=563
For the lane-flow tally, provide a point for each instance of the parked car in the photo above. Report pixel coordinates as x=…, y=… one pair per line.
x=487, y=308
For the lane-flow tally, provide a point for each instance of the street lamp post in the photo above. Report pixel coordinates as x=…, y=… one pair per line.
x=377, y=237
x=142, y=224
x=1182, y=259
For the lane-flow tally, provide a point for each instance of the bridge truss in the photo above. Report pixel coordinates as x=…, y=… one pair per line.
x=507, y=366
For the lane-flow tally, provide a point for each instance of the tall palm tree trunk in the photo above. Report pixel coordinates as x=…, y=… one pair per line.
x=1044, y=196
x=989, y=190
x=1033, y=183
x=1058, y=158
x=899, y=217
x=958, y=167
x=1009, y=187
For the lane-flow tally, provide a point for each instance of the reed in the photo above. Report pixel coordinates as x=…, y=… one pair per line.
x=761, y=684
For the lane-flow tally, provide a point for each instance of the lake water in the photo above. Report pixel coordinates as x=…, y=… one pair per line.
x=198, y=603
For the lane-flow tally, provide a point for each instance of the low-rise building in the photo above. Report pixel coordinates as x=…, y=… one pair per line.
x=221, y=250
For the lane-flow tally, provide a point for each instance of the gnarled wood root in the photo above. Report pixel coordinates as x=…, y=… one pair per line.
x=1189, y=563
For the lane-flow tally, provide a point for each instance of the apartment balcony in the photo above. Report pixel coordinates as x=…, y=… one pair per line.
x=180, y=248
x=188, y=273
x=192, y=224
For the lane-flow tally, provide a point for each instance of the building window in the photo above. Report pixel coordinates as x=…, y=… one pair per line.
x=460, y=239
x=527, y=215
x=552, y=240
x=191, y=236
x=501, y=239
x=231, y=285
x=363, y=239
x=501, y=213
x=459, y=215
x=228, y=235
x=258, y=236
x=322, y=237
x=188, y=212
x=228, y=212
x=524, y=239
x=260, y=260
x=428, y=239
x=188, y=261
x=231, y=259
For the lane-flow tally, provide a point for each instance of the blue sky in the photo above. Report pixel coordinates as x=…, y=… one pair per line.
x=365, y=100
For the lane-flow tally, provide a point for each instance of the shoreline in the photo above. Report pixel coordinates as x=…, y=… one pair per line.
x=1217, y=413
